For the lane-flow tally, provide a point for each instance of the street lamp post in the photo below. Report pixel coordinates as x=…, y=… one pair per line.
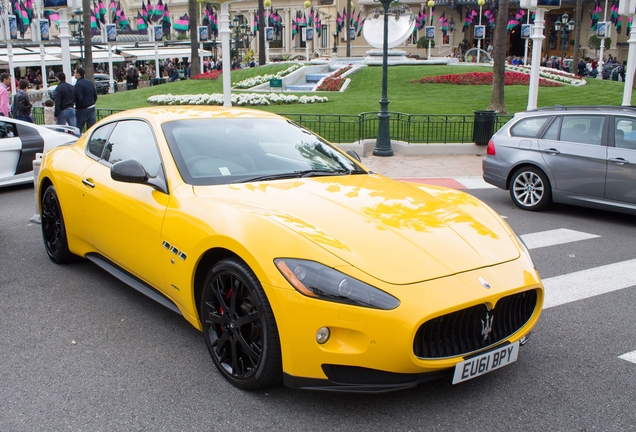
x=335, y=41
x=77, y=27
x=383, y=143
x=565, y=27
x=235, y=28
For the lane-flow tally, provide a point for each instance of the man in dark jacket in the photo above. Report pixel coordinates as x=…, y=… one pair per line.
x=85, y=98
x=64, y=102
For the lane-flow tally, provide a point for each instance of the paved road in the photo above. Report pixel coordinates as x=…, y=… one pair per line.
x=81, y=351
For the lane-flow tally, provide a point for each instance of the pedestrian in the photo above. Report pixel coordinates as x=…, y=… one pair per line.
x=49, y=112
x=64, y=102
x=21, y=103
x=85, y=98
x=5, y=82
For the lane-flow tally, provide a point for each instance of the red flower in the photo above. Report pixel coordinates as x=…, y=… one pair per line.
x=212, y=75
x=485, y=78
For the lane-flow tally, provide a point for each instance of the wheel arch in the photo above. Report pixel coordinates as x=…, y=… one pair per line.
x=514, y=169
x=207, y=261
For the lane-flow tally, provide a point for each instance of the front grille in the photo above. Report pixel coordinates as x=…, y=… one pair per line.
x=460, y=333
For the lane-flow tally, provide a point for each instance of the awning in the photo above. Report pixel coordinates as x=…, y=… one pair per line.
x=30, y=60
x=149, y=54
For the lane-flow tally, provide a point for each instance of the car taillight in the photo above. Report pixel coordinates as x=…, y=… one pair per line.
x=491, y=148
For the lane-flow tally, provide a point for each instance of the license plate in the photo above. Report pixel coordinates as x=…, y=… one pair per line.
x=486, y=362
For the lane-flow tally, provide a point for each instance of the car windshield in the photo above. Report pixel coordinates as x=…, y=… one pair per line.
x=222, y=151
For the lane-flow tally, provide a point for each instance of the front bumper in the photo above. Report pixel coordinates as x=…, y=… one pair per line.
x=373, y=350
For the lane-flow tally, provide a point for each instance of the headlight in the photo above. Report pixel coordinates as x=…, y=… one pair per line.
x=525, y=249
x=316, y=280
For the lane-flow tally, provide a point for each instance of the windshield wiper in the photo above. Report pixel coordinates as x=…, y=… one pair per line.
x=319, y=173
x=297, y=174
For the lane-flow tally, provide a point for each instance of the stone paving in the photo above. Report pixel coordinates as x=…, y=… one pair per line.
x=427, y=166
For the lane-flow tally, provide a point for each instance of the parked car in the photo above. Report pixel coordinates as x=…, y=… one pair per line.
x=297, y=263
x=102, y=84
x=574, y=155
x=19, y=143
x=612, y=71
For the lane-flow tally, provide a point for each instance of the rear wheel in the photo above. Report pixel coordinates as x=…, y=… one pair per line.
x=530, y=189
x=239, y=326
x=53, y=228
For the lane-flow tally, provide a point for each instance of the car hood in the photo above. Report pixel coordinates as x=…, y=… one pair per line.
x=397, y=232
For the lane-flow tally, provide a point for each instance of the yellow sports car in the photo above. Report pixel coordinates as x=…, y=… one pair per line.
x=296, y=262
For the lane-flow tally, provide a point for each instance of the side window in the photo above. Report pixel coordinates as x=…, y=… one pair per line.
x=6, y=130
x=553, y=130
x=582, y=129
x=529, y=127
x=98, y=140
x=133, y=139
x=625, y=133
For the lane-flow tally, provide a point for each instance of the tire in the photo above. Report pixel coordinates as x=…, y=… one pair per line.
x=239, y=326
x=53, y=229
x=530, y=189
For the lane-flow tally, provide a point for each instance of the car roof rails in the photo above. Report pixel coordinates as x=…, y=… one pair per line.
x=586, y=107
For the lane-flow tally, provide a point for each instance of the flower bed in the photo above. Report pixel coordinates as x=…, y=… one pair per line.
x=244, y=99
x=485, y=78
x=260, y=79
x=552, y=74
x=211, y=75
x=334, y=82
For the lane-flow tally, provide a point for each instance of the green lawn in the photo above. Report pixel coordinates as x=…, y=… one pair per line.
x=364, y=91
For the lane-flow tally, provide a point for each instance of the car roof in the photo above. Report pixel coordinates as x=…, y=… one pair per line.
x=584, y=109
x=189, y=112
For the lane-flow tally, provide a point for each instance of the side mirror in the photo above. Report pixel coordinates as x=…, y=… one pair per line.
x=129, y=171
x=354, y=155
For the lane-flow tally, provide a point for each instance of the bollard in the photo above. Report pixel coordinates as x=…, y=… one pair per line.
x=36, y=174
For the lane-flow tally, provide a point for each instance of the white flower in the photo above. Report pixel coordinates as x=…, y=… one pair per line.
x=243, y=99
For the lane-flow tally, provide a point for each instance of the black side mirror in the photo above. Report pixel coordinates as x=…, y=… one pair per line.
x=129, y=171
x=354, y=155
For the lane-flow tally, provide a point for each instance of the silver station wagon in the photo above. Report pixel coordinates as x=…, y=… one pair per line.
x=583, y=156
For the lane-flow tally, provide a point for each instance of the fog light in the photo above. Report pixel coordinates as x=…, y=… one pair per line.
x=524, y=340
x=322, y=335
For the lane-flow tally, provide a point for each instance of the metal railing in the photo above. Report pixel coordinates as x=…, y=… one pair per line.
x=350, y=128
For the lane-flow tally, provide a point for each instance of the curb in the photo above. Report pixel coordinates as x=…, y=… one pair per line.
x=366, y=147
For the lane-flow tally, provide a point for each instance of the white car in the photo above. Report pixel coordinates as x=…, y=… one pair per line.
x=20, y=142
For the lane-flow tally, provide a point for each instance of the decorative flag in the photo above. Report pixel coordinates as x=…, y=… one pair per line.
x=93, y=23
x=512, y=23
x=614, y=13
x=52, y=15
x=255, y=23
x=619, y=24
x=595, y=15
x=629, y=26
x=166, y=23
x=361, y=26
x=310, y=21
x=520, y=15
x=490, y=17
x=102, y=12
x=339, y=22
x=214, y=22
x=144, y=14
x=443, y=23
x=157, y=12
x=183, y=24
x=142, y=25
x=318, y=26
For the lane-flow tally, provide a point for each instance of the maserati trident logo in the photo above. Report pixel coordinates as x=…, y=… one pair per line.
x=484, y=282
x=486, y=326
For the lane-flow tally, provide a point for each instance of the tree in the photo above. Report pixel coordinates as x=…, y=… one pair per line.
x=261, y=33
x=88, y=46
x=578, y=18
x=499, y=58
x=195, y=64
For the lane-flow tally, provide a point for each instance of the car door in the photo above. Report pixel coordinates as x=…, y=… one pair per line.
x=621, y=161
x=10, y=150
x=573, y=149
x=124, y=220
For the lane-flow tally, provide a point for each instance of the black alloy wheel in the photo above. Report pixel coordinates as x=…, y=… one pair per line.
x=530, y=189
x=239, y=326
x=53, y=228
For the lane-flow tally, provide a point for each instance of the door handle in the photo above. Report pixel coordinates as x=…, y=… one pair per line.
x=619, y=161
x=88, y=183
x=552, y=151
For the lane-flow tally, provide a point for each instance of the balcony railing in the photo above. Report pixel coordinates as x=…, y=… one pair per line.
x=351, y=128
